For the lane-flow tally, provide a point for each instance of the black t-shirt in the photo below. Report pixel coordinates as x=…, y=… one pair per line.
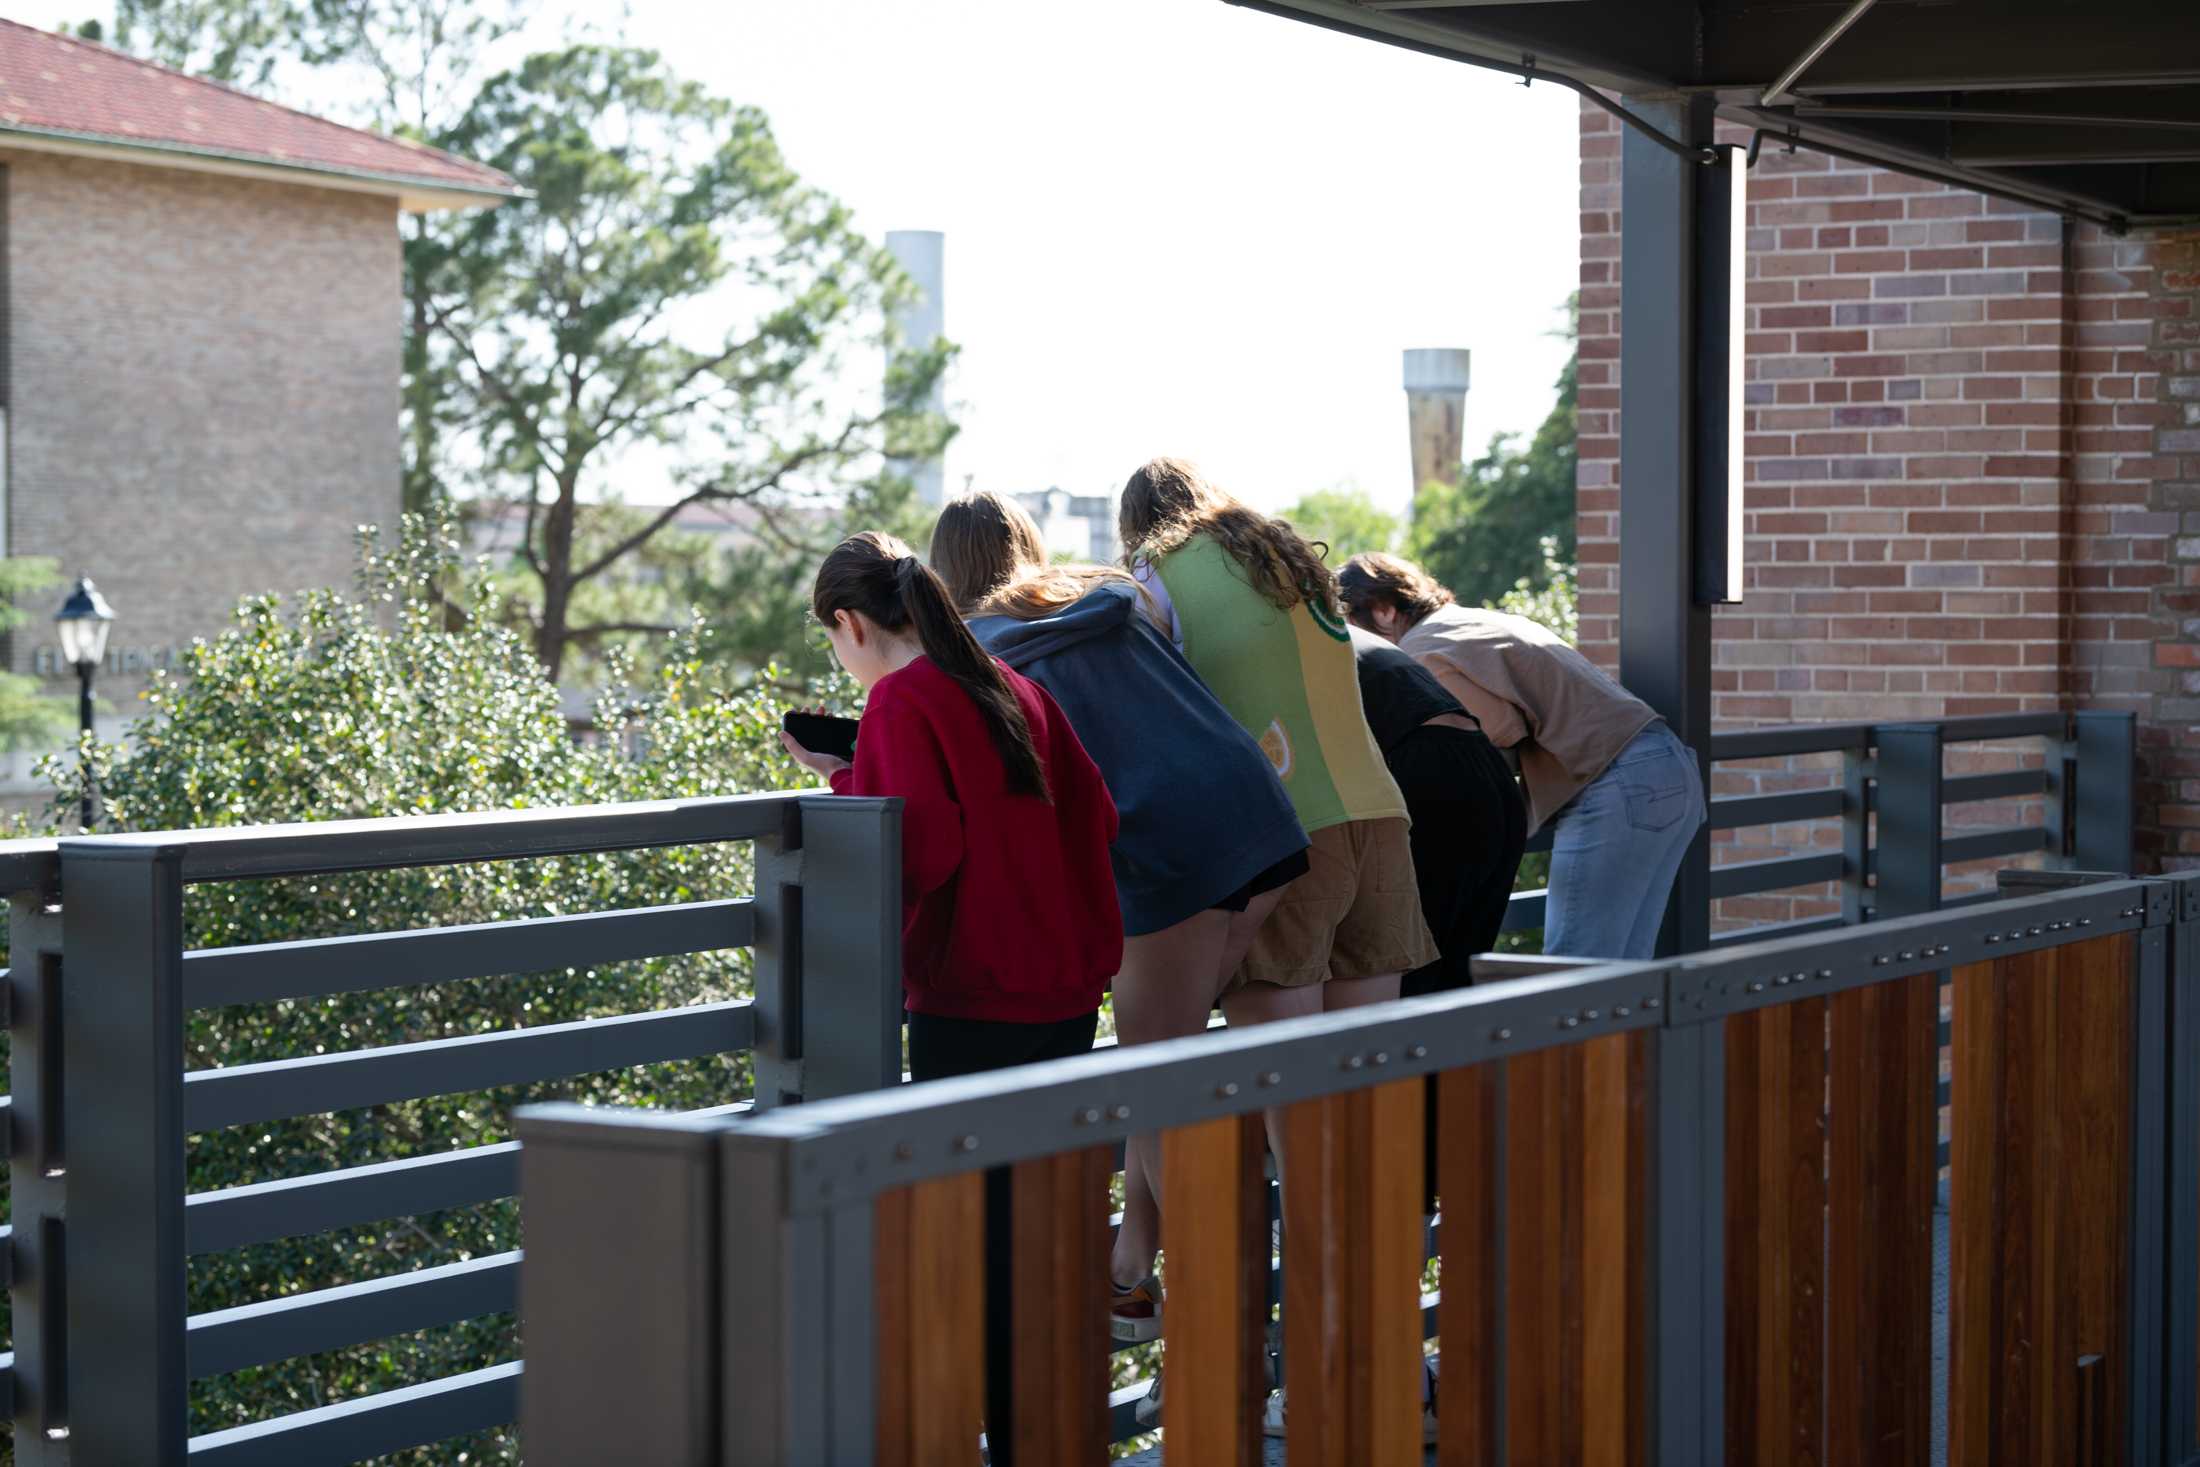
x=1398, y=693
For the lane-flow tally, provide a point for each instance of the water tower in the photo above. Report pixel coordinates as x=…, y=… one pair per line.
x=921, y=253
x=1436, y=411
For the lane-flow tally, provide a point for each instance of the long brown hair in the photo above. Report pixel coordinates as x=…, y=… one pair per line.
x=879, y=576
x=991, y=556
x=1167, y=502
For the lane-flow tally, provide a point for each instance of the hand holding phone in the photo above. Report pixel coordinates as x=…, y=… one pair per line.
x=821, y=734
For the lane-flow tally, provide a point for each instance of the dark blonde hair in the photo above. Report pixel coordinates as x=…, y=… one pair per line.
x=1167, y=502
x=1376, y=579
x=991, y=556
x=882, y=578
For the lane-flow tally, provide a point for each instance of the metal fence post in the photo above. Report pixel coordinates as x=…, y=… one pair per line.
x=2181, y=1272
x=38, y=1180
x=619, y=1286
x=796, y=1378
x=122, y=1103
x=1687, y=1246
x=1908, y=806
x=2108, y=752
x=850, y=945
x=2150, y=1131
x=1856, y=833
x=776, y=976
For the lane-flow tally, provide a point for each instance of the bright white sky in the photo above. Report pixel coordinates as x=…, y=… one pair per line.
x=1173, y=226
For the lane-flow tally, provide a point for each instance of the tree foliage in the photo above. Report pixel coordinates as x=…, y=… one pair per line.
x=1484, y=534
x=576, y=317
x=1348, y=521
x=29, y=717
x=381, y=703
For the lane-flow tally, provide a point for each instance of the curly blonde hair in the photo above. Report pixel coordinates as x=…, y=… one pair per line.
x=1167, y=502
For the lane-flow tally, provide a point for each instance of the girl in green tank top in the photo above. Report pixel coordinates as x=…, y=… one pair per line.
x=1256, y=614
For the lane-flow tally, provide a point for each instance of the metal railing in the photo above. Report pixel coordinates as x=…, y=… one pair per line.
x=1891, y=859
x=1744, y=1254
x=100, y=989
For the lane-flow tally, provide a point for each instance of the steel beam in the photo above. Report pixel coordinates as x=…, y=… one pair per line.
x=1674, y=340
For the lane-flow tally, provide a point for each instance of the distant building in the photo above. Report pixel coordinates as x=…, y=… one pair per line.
x=1079, y=526
x=199, y=340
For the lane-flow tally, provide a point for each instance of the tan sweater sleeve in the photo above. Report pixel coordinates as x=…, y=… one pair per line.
x=1500, y=719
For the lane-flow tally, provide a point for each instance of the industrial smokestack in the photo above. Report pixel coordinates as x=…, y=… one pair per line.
x=1436, y=410
x=921, y=253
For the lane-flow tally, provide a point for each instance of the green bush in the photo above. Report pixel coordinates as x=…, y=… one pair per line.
x=408, y=697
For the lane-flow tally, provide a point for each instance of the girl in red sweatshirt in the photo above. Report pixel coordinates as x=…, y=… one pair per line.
x=1010, y=928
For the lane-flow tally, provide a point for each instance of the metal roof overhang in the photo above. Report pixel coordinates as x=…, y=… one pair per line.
x=2090, y=108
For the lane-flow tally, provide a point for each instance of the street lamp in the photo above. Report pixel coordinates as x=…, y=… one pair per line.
x=83, y=622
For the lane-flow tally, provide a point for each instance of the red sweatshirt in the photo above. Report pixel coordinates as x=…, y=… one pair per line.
x=1008, y=904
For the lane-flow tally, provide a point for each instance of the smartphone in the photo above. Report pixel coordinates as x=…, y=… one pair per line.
x=821, y=733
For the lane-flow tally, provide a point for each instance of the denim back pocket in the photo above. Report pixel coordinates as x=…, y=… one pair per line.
x=1659, y=791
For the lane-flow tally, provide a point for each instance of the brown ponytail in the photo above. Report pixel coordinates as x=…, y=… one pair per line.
x=879, y=576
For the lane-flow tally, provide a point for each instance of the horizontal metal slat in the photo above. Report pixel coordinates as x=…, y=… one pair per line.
x=2003, y=726
x=29, y=865
x=1738, y=811
x=1526, y=910
x=310, y=1084
x=372, y=1426
x=329, y=1319
x=1767, y=931
x=1983, y=844
x=1743, y=877
x=238, y=1217
x=2013, y=784
x=237, y=853
x=1774, y=743
x=319, y=966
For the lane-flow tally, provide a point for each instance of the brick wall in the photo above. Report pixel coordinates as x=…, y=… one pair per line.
x=1964, y=480
x=204, y=377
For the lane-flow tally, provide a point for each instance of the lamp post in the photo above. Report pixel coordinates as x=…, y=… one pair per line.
x=83, y=622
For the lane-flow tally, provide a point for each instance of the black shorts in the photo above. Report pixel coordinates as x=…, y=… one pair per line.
x=1283, y=873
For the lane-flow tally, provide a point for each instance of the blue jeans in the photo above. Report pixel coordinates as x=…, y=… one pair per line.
x=1617, y=846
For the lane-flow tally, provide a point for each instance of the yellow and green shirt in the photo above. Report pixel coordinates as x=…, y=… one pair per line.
x=1288, y=677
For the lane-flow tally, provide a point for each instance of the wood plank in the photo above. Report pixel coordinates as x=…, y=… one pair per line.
x=1611, y=1337
x=1469, y=1105
x=1215, y=1233
x=1879, y=1263
x=2040, y=1257
x=1352, y=1284
x=2100, y=994
x=1059, y=1320
x=930, y=1292
x=1977, y=1038
x=1534, y=1253
x=891, y=1267
x=1775, y=1234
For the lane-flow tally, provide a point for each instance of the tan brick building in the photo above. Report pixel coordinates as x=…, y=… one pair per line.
x=199, y=340
x=1973, y=470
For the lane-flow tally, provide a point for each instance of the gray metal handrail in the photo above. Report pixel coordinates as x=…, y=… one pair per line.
x=2084, y=784
x=105, y=1346
x=743, y=1325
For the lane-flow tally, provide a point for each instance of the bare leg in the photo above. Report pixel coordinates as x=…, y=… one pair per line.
x=1352, y=993
x=1265, y=1003
x=1164, y=991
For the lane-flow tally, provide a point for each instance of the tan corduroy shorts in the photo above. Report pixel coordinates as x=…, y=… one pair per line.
x=1356, y=913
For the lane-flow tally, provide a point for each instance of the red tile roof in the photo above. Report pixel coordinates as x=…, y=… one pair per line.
x=56, y=86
